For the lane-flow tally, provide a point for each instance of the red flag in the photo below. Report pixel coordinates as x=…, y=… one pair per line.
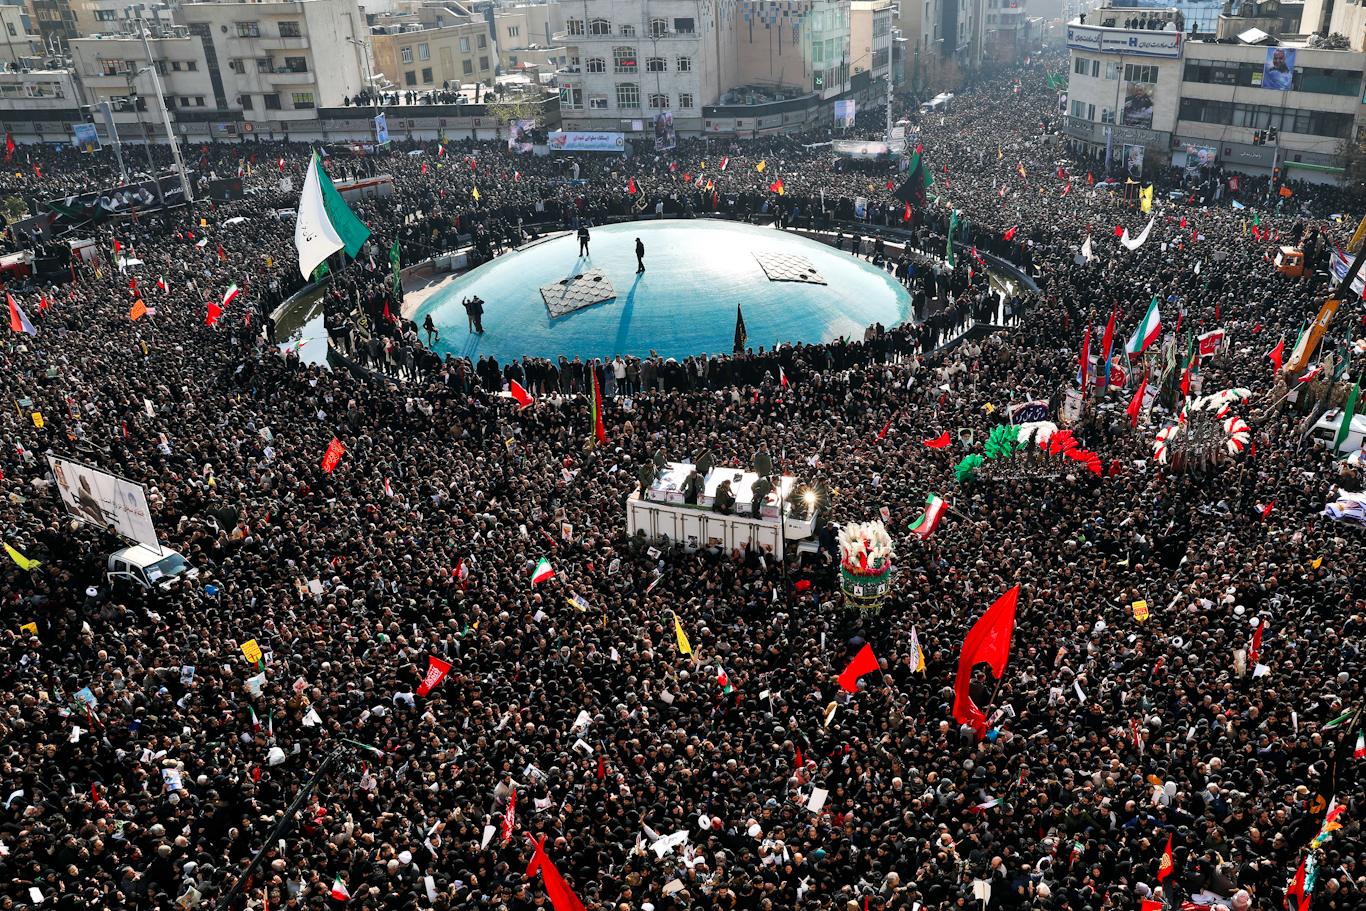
x=222, y=257
x=436, y=672
x=1136, y=403
x=335, y=450
x=1108, y=340
x=884, y=429
x=1277, y=353
x=510, y=817
x=1164, y=869
x=799, y=762
x=9, y=146
x=1067, y=189
x=632, y=187
x=907, y=216
x=424, y=167
x=562, y=898
x=987, y=642
x=863, y=663
x=1256, y=648
x=215, y=312
x=1084, y=371
x=1010, y=235
x=939, y=442
x=599, y=430
x=1090, y=179
x=1265, y=510
x=1119, y=230
x=602, y=769
x=521, y=395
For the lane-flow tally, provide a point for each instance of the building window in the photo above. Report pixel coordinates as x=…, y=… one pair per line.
x=303, y=100
x=184, y=101
x=246, y=102
x=514, y=31
x=1080, y=66
x=199, y=101
x=683, y=26
x=248, y=30
x=624, y=59
x=628, y=95
x=1107, y=115
x=659, y=102
x=482, y=41
x=597, y=102
x=467, y=66
x=685, y=64
x=406, y=54
x=427, y=75
x=290, y=29
x=272, y=101
x=424, y=52
x=1095, y=69
x=880, y=57
x=573, y=27
x=595, y=65
x=1134, y=72
x=464, y=45
x=483, y=63
x=685, y=100
x=296, y=64
x=264, y=65
x=161, y=66
x=571, y=97
x=192, y=65
x=1112, y=70
x=410, y=78
x=600, y=26
x=656, y=65
x=101, y=15
x=1078, y=109
x=628, y=31
x=659, y=28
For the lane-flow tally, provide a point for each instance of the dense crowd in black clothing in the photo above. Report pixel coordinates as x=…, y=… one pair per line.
x=1119, y=735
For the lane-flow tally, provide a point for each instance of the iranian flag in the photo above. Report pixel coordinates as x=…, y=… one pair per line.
x=1361, y=747
x=161, y=283
x=1149, y=328
x=339, y=888
x=230, y=295
x=542, y=571
x=1210, y=342
x=934, y=511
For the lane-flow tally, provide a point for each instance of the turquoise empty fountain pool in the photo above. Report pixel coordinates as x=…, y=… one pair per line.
x=684, y=303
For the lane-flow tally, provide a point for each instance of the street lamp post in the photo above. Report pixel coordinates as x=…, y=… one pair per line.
x=165, y=118
x=369, y=83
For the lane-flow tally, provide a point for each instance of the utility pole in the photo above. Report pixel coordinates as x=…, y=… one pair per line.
x=146, y=134
x=108, y=113
x=165, y=117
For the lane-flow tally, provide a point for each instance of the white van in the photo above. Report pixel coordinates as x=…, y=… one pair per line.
x=146, y=567
x=1326, y=430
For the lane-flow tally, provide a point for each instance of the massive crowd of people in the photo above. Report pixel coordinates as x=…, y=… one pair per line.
x=146, y=764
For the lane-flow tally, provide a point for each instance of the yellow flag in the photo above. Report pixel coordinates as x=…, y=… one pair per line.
x=27, y=565
x=1317, y=563
x=476, y=192
x=760, y=166
x=999, y=154
x=989, y=408
x=268, y=262
x=1145, y=199
x=683, y=645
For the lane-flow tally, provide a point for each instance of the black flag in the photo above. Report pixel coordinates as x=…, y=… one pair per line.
x=741, y=336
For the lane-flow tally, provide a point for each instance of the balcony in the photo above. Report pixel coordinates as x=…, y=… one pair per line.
x=284, y=44
x=287, y=77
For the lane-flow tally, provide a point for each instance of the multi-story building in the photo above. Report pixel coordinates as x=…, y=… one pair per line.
x=1143, y=94
x=870, y=37
x=15, y=41
x=422, y=55
x=525, y=34
x=39, y=105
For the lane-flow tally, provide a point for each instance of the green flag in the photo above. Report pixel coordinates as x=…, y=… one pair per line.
x=953, y=229
x=394, y=260
x=1345, y=427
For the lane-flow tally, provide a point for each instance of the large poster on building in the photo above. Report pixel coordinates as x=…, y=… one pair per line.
x=844, y=114
x=519, y=135
x=1139, y=98
x=587, y=142
x=381, y=130
x=87, y=140
x=102, y=499
x=861, y=149
x=1279, y=69
x=665, y=138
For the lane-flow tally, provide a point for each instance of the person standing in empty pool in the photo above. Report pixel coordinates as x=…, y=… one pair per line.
x=640, y=256
x=583, y=240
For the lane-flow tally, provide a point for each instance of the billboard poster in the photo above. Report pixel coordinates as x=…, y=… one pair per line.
x=864, y=150
x=1198, y=157
x=844, y=114
x=1139, y=98
x=1133, y=160
x=587, y=142
x=102, y=499
x=1279, y=69
x=664, y=131
x=519, y=135
x=381, y=130
x=87, y=140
